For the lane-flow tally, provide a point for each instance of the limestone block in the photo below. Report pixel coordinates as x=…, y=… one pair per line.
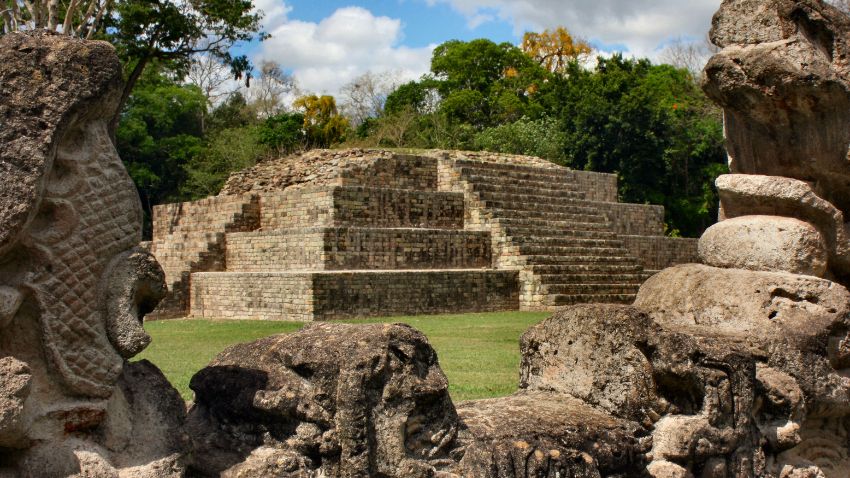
x=765, y=243
x=752, y=194
x=15, y=383
x=572, y=354
x=799, y=321
x=666, y=469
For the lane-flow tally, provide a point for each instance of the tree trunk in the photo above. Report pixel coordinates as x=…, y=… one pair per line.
x=125, y=94
x=16, y=15
x=86, y=17
x=97, y=19
x=52, y=14
x=67, y=29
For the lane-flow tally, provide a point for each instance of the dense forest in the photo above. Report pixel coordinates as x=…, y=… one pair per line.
x=192, y=113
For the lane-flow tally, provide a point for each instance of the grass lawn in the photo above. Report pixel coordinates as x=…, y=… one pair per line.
x=478, y=352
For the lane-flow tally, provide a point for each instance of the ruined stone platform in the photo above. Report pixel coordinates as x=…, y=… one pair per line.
x=329, y=295
x=340, y=234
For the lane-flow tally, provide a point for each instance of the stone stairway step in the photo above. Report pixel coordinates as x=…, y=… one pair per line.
x=565, y=241
x=574, y=251
x=532, y=201
x=498, y=212
x=528, y=184
x=587, y=259
x=543, y=227
x=561, y=176
x=491, y=166
x=543, y=192
x=550, y=207
x=568, y=289
x=589, y=268
x=573, y=299
x=592, y=277
x=536, y=231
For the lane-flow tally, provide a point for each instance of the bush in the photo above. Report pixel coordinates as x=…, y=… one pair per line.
x=542, y=137
x=228, y=151
x=283, y=133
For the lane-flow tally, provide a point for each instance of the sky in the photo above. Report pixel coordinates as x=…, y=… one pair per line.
x=327, y=43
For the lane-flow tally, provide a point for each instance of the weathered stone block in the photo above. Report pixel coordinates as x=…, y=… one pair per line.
x=765, y=243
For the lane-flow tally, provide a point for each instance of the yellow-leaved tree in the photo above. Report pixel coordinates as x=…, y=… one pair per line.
x=323, y=124
x=554, y=49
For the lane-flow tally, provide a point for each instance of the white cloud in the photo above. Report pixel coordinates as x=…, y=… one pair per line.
x=643, y=26
x=275, y=12
x=324, y=56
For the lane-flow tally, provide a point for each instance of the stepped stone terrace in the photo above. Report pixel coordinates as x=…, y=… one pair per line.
x=356, y=233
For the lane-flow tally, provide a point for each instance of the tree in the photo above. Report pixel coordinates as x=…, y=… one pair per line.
x=420, y=96
x=364, y=97
x=475, y=65
x=267, y=94
x=555, y=49
x=690, y=55
x=81, y=18
x=229, y=150
x=173, y=31
x=160, y=133
x=543, y=138
x=323, y=125
x=211, y=76
x=283, y=133
x=653, y=126
x=233, y=112
x=498, y=81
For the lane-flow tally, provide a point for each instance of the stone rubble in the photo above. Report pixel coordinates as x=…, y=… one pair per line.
x=323, y=166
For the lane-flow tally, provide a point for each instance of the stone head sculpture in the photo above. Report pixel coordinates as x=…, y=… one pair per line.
x=72, y=286
x=350, y=400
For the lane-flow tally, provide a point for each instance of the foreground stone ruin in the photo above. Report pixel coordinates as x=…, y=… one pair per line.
x=733, y=368
x=353, y=233
x=73, y=286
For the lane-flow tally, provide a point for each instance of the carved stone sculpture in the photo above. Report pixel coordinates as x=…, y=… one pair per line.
x=783, y=80
x=73, y=287
x=332, y=400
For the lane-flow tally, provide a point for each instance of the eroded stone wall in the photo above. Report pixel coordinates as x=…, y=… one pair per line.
x=600, y=187
x=263, y=296
x=207, y=215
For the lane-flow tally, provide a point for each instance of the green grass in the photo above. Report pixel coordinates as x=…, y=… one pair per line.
x=478, y=352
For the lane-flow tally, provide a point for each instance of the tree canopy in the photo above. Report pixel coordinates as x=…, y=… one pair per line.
x=555, y=49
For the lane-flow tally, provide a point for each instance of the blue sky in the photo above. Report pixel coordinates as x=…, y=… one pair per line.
x=423, y=24
x=327, y=43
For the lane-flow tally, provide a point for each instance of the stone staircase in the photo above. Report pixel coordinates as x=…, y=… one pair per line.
x=568, y=250
x=190, y=237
